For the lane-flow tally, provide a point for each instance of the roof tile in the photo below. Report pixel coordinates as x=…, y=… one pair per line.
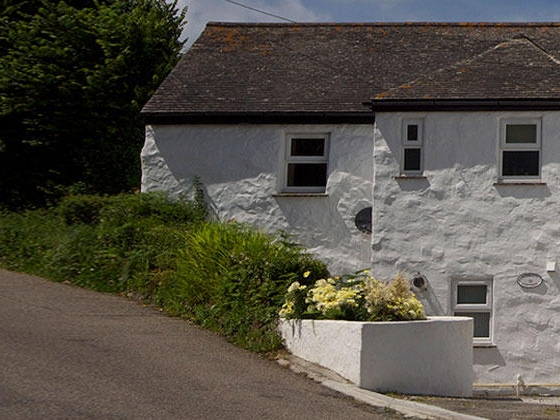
x=335, y=68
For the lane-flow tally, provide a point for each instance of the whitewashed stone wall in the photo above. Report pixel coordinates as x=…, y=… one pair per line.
x=239, y=166
x=458, y=223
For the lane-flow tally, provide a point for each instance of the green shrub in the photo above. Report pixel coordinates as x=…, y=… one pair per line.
x=27, y=237
x=108, y=243
x=81, y=209
x=118, y=210
x=232, y=279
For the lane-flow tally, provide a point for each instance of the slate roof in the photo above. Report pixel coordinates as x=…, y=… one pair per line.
x=315, y=72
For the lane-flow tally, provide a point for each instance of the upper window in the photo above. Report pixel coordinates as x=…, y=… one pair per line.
x=306, y=162
x=520, y=148
x=474, y=299
x=412, y=134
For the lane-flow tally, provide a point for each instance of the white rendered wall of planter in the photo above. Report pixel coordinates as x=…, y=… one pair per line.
x=431, y=357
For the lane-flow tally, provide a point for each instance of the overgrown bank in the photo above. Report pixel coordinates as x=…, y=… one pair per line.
x=225, y=277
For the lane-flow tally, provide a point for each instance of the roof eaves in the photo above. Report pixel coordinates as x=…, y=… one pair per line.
x=167, y=118
x=380, y=105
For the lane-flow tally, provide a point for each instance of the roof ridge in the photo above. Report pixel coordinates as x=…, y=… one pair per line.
x=511, y=24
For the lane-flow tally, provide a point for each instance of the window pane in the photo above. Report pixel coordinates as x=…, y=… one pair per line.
x=520, y=163
x=307, y=174
x=411, y=159
x=471, y=294
x=412, y=132
x=307, y=147
x=521, y=133
x=481, y=323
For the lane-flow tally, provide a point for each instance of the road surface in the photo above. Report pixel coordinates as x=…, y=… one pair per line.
x=70, y=353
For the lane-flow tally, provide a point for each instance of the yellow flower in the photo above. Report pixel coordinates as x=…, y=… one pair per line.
x=306, y=274
x=293, y=287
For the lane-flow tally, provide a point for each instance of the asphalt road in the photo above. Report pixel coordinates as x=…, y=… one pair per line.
x=70, y=353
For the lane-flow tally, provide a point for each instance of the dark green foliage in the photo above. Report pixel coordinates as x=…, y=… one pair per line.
x=81, y=209
x=26, y=238
x=233, y=279
x=226, y=277
x=105, y=243
x=73, y=78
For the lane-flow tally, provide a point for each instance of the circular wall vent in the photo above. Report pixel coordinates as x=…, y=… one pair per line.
x=363, y=220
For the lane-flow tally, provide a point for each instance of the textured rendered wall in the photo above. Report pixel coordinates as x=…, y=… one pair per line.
x=239, y=167
x=336, y=345
x=431, y=357
x=457, y=223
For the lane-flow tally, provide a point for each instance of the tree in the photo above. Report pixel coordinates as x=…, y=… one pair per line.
x=73, y=77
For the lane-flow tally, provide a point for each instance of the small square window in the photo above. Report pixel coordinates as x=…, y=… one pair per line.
x=307, y=147
x=520, y=148
x=521, y=133
x=520, y=163
x=471, y=293
x=412, y=159
x=306, y=163
x=412, y=132
x=474, y=299
x=307, y=174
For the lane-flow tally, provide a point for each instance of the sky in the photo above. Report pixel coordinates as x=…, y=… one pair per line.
x=199, y=12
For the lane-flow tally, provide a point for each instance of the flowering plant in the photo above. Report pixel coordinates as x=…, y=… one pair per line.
x=358, y=297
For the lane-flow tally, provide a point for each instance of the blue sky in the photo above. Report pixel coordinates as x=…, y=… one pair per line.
x=199, y=12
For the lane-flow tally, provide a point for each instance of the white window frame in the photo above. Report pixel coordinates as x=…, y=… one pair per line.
x=521, y=147
x=289, y=159
x=487, y=307
x=407, y=144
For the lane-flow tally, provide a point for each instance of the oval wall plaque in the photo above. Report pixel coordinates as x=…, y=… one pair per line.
x=529, y=280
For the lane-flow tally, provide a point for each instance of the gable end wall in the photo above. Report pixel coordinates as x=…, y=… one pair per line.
x=457, y=223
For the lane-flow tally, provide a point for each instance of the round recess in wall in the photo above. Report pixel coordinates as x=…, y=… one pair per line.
x=419, y=282
x=363, y=220
x=529, y=280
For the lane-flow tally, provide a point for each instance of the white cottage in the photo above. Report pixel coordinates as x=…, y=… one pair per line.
x=450, y=132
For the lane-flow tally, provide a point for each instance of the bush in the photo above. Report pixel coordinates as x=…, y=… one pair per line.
x=26, y=239
x=393, y=301
x=358, y=297
x=232, y=279
x=108, y=243
x=118, y=210
x=81, y=209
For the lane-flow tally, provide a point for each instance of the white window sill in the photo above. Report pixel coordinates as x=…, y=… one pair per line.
x=299, y=194
x=484, y=345
x=508, y=182
x=399, y=177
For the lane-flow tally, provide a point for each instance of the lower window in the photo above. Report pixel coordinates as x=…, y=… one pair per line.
x=474, y=299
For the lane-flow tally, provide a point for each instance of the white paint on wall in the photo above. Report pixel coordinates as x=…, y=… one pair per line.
x=456, y=223
x=241, y=168
x=460, y=223
x=432, y=357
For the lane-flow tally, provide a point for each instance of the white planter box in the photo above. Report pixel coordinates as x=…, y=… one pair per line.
x=432, y=357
